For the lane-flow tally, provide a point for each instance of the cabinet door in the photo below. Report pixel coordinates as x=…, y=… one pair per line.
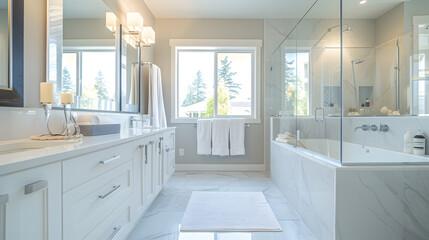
x=140, y=156
x=148, y=190
x=33, y=209
x=157, y=165
x=171, y=155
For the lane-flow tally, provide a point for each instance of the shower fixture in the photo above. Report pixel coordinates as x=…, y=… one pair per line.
x=346, y=28
x=356, y=62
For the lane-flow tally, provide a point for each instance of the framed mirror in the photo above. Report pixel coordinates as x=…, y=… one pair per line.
x=12, y=53
x=89, y=57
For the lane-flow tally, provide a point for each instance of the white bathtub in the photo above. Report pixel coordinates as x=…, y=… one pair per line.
x=361, y=199
x=360, y=154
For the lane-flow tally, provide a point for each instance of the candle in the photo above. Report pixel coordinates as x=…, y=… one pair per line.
x=67, y=98
x=47, y=93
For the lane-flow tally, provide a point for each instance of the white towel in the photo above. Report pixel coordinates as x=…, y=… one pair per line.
x=87, y=119
x=204, y=136
x=92, y=119
x=156, y=101
x=236, y=136
x=220, y=137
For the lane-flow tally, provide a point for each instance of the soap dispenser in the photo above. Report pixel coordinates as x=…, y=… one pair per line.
x=419, y=143
x=409, y=142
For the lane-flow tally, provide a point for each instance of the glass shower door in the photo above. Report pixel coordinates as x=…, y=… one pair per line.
x=318, y=83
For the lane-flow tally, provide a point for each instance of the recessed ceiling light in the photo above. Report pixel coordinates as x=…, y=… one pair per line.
x=363, y=1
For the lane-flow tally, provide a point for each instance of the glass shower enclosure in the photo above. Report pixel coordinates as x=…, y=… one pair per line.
x=350, y=78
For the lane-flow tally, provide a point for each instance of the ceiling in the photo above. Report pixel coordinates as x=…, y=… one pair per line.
x=263, y=9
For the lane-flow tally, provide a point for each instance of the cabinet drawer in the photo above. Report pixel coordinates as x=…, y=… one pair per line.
x=115, y=226
x=81, y=169
x=90, y=203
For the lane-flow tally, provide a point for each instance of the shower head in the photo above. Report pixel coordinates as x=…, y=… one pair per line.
x=357, y=61
x=345, y=28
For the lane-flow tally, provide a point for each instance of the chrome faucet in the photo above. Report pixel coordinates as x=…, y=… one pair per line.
x=298, y=134
x=364, y=127
x=367, y=127
x=134, y=119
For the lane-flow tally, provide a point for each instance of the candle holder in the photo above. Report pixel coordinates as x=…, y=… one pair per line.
x=71, y=126
x=48, y=110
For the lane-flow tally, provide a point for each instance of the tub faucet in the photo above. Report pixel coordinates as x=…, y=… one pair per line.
x=366, y=127
x=363, y=127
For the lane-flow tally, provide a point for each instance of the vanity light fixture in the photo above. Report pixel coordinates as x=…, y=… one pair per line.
x=363, y=2
x=111, y=21
x=134, y=22
x=148, y=36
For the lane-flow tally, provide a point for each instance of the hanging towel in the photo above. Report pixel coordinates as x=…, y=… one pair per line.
x=134, y=95
x=220, y=137
x=236, y=136
x=156, y=108
x=204, y=136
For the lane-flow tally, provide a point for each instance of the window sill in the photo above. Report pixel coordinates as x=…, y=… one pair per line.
x=194, y=120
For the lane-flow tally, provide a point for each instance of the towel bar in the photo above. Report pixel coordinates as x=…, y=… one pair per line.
x=246, y=125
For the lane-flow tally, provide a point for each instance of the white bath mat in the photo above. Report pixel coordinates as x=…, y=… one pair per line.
x=229, y=211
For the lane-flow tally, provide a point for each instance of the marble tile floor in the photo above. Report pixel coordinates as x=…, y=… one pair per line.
x=162, y=220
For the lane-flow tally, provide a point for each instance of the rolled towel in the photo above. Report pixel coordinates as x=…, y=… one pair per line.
x=107, y=120
x=291, y=142
x=286, y=135
x=87, y=119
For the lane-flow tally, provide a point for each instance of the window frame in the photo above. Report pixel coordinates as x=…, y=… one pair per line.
x=217, y=46
x=79, y=90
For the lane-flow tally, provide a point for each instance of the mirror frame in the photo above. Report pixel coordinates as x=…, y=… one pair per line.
x=54, y=45
x=14, y=95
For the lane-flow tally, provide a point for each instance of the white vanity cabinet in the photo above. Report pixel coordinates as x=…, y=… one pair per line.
x=30, y=204
x=169, y=155
x=92, y=194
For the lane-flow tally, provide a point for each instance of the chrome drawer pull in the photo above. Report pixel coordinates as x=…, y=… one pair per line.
x=36, y=186
x=145, y=154
x=111, y=191
x=110, y=160
x=160, y=145
x=4, y=199
x=167, y=149
x=115, y=231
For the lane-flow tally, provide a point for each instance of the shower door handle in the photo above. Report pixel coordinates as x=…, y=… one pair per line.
x=316, y=110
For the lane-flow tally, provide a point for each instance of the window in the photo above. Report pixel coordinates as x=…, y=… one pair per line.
x=213, y=78
x=91, y=76
x=297, y=83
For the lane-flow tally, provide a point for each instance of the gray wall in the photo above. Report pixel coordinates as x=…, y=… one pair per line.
x=86, y=28
x=34, y=50
x=186, y=134
x=390, y=25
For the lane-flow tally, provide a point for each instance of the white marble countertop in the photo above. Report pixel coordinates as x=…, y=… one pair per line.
x=18, y=161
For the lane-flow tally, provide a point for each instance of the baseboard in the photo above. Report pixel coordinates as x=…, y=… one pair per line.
x=221, y=167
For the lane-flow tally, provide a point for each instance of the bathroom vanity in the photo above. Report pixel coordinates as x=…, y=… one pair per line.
x=94, y=189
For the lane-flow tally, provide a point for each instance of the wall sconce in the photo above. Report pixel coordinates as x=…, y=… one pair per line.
x=111, y=21
x=148, y=36
x=135, y=22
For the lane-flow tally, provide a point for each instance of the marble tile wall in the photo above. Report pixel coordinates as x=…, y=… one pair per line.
x=21, y=123
x=308, y=186
x=382, y=204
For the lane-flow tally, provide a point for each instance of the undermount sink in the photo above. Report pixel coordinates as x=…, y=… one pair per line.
x=9, y=147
